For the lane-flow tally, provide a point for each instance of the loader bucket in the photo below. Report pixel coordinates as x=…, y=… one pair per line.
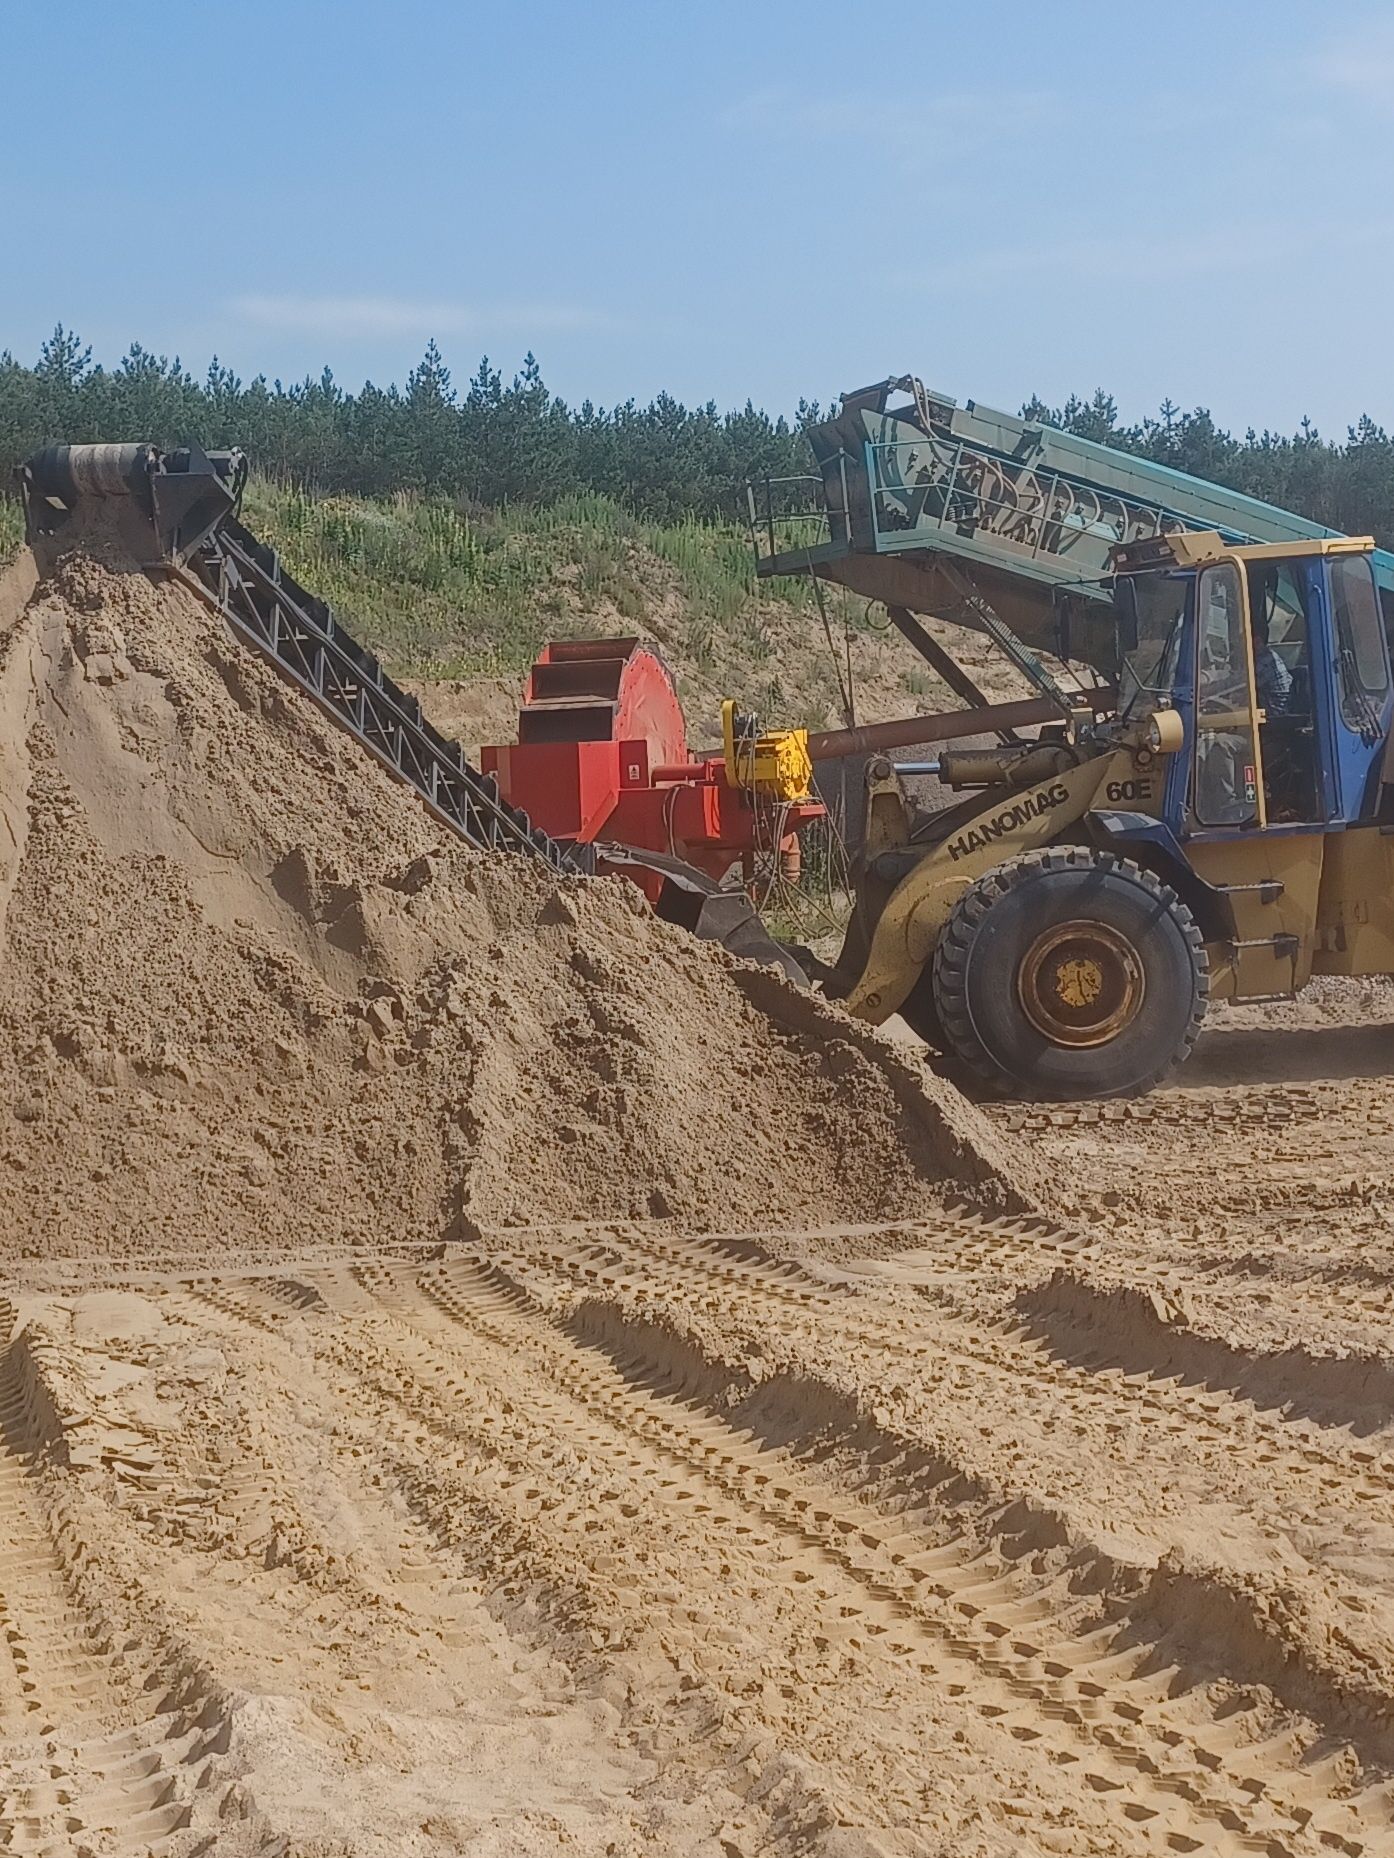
x=697, y=903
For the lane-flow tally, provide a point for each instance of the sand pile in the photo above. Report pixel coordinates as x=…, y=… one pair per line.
x=251, y=994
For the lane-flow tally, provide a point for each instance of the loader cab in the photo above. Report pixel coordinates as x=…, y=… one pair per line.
x=1276, y=659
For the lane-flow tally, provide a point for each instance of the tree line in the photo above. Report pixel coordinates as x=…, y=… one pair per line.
x=503, y=442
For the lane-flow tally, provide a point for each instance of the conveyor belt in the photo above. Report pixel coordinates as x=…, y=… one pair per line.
x=191, y=498
x=269, y=609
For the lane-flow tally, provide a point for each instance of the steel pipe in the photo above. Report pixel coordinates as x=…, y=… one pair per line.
x=907, y=731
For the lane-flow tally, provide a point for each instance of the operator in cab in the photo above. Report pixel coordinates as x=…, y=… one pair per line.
x=1272, y=679
x=1280, y=688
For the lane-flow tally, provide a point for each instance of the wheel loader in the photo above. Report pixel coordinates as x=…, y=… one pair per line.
x=1208, y=816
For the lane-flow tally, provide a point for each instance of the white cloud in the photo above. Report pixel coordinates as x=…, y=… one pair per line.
x=1361, y=66
x=929, y=126
x=350, y=316
x=1160, y=259
x=1022, y=139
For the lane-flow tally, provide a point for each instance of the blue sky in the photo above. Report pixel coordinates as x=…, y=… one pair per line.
x=767, y=199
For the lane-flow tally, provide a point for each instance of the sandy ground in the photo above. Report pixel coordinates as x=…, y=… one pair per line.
x=805, y=1463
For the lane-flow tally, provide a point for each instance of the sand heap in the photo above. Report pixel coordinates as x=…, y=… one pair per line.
x=251, y=994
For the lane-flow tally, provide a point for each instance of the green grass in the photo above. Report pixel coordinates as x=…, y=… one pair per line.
x=437, y=593
x=11, y=528
x=418, y=582
x=440, y=594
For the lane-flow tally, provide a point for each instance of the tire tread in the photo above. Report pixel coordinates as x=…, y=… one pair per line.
x=951, y=956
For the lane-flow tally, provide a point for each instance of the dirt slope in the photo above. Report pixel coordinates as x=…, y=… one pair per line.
x=775, y=660
x=250, y=994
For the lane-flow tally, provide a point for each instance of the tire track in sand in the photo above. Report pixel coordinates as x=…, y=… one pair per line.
x=97, y=1751
x=342, y=1626
x=484, y=1516
x=645, y=1531
x=1168, y=1764
x=1015, y=1366
x=1158, y=1759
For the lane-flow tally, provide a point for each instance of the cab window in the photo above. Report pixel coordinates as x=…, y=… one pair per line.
x=1224, y=787
x=1149, y=609
x=1386, y=607
x=1278, y=620
x=1361, y=659
x=1278, y=624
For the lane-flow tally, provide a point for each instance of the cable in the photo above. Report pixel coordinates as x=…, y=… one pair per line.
x=851, y=687
x=848, y=717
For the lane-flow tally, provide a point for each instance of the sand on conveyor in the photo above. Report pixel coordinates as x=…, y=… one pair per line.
x=253, y=995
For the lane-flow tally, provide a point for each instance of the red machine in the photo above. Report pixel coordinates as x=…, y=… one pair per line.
x=602, y=756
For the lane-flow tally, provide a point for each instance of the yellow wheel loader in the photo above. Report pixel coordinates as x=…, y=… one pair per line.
x=1210, y=814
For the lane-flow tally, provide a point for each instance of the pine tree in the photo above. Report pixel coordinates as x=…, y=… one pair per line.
x=432, y=424
x=63, y=369
x=519, y=442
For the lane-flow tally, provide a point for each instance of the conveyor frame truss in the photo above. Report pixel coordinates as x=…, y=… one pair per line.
x=269, y=609
x=191, y=499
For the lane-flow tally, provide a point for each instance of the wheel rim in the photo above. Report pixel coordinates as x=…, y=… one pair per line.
x=1081, y=983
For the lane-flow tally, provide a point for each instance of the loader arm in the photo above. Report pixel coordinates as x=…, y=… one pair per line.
x=917, y=909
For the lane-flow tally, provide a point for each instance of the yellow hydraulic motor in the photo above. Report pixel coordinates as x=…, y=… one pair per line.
x=774, y=762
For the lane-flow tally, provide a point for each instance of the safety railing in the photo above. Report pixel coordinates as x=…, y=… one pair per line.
x=798, y=515
x=933, y=492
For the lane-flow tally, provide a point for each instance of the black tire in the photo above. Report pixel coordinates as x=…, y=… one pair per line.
x=1070, y=973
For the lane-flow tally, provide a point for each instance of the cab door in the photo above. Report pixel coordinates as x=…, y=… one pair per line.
x=1359, y=682
x=1269, y=875
x=1355, y=930
x=1226, y=786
